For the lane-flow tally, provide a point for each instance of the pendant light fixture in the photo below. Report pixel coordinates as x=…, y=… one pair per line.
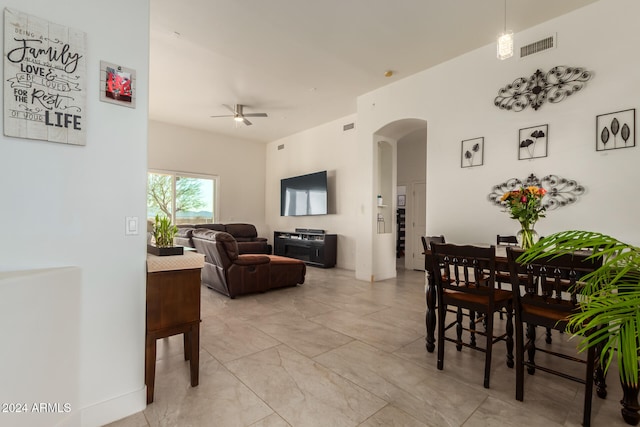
x=505, y=40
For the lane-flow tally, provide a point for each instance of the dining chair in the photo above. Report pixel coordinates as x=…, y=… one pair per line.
x=545, y=293
x=430, y=294
x=466, y=281
x=427, y=240
x=502, y=277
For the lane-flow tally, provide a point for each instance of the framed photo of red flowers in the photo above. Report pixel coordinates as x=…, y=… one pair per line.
x=532, y=142
x=472, y=152
x=118, y=84
x=616, y=130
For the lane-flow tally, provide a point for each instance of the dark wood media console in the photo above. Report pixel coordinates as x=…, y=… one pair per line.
x=314, y=248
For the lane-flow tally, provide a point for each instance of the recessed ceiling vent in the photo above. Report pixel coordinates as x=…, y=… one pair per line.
x=348, y=126
x=539, y=46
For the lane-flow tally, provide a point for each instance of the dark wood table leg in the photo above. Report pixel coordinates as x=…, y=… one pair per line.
x=630, y=405
x=150, y=366
x=430, y=319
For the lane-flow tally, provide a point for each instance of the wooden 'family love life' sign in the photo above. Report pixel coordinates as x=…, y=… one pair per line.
x=45, y=80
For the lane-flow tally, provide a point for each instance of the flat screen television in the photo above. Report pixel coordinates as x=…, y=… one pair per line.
x=304, y=195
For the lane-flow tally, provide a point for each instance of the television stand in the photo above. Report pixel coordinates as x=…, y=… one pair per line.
x=314, y=247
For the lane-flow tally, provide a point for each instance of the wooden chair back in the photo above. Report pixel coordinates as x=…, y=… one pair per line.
x=547, y=290
x=427, y=240
x=506, y=240
x=465, y=268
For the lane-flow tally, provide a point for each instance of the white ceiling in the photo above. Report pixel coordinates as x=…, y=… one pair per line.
x=305, y=62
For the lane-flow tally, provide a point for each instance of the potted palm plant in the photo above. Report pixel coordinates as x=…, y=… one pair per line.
x=610, y=314
x=163, y=234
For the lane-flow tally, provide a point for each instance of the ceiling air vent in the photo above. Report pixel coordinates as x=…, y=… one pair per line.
x=348, y=126
x=281, y=147
x=539, y=46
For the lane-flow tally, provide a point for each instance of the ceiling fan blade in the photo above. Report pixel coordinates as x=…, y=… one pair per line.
x=232, y=109
x=227, y=115
x=246, y=122
x=255, y=115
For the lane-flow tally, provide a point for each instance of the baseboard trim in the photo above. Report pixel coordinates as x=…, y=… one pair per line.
x=114, y=409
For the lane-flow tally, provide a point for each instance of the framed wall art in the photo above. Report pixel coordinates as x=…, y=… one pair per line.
x=44, y=80
x=533, y=142
x=118, y=84
x=616, y=130
x=472, y=152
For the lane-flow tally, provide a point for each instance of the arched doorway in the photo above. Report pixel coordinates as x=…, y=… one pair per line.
x=412, y=135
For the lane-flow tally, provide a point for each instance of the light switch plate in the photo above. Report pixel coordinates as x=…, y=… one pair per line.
x=131, y=226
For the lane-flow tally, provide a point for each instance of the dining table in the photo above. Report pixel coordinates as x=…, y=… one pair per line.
x=630, y=406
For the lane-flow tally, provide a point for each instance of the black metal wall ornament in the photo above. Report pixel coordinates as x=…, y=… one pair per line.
x=616, y=130
x=553, y=86
x=560, y=191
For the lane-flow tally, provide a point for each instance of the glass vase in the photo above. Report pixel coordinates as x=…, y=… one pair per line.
x=527, y=237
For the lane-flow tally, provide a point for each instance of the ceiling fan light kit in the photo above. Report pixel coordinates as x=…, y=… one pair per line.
x=238, y=114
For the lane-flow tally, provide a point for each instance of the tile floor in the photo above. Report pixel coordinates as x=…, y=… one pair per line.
x=341, y=352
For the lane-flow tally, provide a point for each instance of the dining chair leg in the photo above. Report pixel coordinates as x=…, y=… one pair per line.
x=509, y=330
x=519, y=364
x=487, y=356
x=548, y=337
x=472, y=328
x=588, y=391
x=442, y=313
x=531, y=348
x=600, y=379
x=459, y=329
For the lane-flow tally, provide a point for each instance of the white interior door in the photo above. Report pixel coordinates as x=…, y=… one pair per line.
x=418, y=223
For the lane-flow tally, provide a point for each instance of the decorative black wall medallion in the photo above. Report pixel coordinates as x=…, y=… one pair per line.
x=533, y=142
x=554, y=86
x=560, y=191
x=616, y=130
x=472, y=152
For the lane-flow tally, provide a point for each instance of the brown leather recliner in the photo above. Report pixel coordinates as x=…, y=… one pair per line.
x=232, y=274
x=246, y=236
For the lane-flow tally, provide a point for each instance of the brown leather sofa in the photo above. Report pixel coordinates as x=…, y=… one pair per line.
x=231, y=273
x=245, y=234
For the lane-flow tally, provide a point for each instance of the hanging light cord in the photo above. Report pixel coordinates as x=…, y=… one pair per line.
x=505, y=16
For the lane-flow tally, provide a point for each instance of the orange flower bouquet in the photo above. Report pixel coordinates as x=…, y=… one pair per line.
x=525, y=205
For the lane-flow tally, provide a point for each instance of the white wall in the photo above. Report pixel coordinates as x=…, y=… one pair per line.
x=66, y=206
x=239, y=163
x=412, y=157
x=325, y=147
x=456, y=99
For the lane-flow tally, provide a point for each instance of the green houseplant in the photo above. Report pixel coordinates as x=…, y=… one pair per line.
x=612, y=300
x=163, y=234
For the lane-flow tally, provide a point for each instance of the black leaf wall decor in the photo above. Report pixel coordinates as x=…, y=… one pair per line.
x=533, y=142
x=553, y=86
x=472, y=152
x=616, y=130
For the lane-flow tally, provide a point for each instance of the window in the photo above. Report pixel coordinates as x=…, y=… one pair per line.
x=185, y=198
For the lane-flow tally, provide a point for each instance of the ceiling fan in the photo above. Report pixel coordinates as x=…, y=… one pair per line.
x=239, y=116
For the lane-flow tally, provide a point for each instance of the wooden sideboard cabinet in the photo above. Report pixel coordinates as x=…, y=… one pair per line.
x=173, y=307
